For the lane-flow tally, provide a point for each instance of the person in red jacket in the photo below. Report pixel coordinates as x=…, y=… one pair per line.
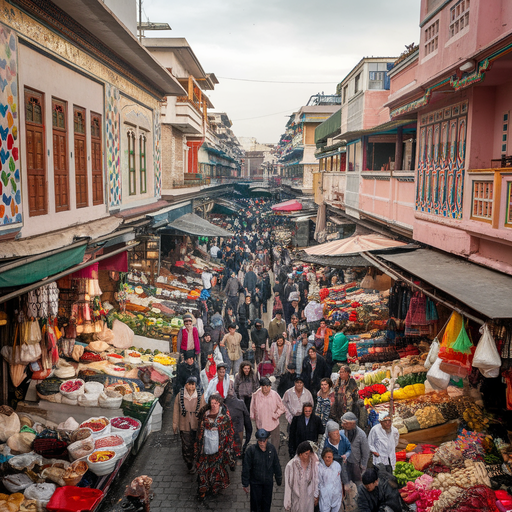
x=188, y=337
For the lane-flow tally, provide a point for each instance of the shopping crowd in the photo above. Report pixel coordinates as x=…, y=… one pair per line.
x=261, y=350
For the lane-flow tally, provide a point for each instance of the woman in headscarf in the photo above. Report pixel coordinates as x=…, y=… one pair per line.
x=214, y=448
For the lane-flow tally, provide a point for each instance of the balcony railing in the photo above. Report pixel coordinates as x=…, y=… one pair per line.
x=196, y=105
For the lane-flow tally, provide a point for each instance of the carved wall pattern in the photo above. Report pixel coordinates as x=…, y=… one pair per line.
x=157, y=153
x=10, y=180
x=113, y=152
x=441, y=161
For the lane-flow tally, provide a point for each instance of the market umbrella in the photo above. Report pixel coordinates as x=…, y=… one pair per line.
x=288, y=206
x=354, y=244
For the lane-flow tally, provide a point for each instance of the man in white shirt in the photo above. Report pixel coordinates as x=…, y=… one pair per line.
x=295, y=398
x=214, y=251
x=383, y=439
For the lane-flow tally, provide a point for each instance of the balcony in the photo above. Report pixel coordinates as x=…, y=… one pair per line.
x=189, y=113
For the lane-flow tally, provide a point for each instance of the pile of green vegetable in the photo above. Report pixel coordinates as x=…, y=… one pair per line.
x=411, y=379
x=405, y=472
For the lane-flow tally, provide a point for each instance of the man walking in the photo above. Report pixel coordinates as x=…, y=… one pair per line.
x=357, y=462
x=184, y=419
x=295, y=398
x=261, y=463
x=306, y=427
x=383, y=439
x=266, y=408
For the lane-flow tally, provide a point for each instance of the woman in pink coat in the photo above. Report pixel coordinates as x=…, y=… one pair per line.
x=301, y=480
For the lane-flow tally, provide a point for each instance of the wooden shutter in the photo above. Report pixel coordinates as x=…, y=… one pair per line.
x=36, y=161
x=82, y=196
x=97, y=160
x=60, y=155
x=142, y=164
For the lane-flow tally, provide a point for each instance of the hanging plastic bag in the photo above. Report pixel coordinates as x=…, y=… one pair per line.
x=432, y=354
x=487, y=359
x=462, y=343
x=436, y=377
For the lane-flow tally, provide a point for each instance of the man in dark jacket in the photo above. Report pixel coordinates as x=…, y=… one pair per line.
x=241, y=419
x=259, y=338
x=188, y=368
x=306, y=427
x=376, y=495
x=261, y=463
x=232, y=290
x=250, y=281
x=244, y=321
x=314, y=369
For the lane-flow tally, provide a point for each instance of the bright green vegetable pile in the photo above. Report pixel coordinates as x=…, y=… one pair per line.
x=405, y=472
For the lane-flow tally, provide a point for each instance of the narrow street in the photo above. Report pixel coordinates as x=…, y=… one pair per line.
x=173, y=488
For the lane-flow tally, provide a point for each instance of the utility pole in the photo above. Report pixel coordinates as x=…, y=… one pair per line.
x=140, y=21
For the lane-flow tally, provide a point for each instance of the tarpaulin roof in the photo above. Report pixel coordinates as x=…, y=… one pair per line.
x=350, y=260
x=353, y=245
x=288, y=206
x=43, y=267
x=482, y=289
x=194, y=225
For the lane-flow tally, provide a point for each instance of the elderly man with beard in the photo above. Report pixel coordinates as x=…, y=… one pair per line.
x=357, y=462
x=383, y=439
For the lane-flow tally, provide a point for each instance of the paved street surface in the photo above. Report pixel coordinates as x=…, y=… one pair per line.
x=174, y=489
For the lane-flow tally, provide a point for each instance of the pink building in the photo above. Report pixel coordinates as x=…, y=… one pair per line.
x=459, y=86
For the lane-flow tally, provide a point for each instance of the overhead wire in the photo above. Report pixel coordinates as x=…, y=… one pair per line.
x=273, y=81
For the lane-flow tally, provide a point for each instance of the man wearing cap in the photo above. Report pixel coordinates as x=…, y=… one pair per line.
x=359, y=448
x=337, y=442
x=261, y=463
x=383, y=440
x=221, y=383
x=187, y=368
x=266, y=408
x=295, y=398
x=184, y=419
x=188, y=336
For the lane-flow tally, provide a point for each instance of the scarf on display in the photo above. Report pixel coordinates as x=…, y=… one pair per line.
x=198, y=393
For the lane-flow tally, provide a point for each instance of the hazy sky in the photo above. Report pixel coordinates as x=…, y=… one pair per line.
x=273, y=40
